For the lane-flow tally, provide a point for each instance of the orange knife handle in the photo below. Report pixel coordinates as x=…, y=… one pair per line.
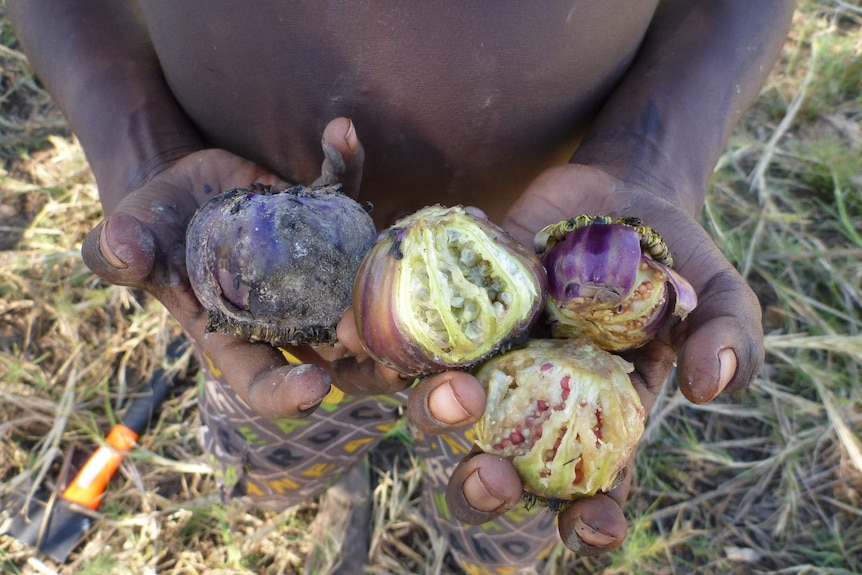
x=89, y=484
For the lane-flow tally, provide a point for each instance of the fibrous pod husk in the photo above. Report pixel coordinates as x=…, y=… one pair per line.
x=445, y=288
x=277, y=266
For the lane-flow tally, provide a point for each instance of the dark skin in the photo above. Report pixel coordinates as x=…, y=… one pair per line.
x=475, y=103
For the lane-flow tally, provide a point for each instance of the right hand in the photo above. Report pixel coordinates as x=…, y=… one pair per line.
x=141, y=244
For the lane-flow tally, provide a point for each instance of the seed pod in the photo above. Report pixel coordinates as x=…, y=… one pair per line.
x=565, y=413
x=277, y=266
x=445, y=288
x=608, y=280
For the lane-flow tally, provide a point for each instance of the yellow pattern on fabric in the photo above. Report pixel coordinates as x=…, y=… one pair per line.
x=384, y=427
x=213, y=369
x=546, y=551
x=490, y=526
x=470, y=436
x=520, y=513
x=475, y=569
x=283, y=484
x=319, y=469
x=507, y=570
x=253, y=489
x=291, y=359
x=352, y=446
x=228, y=475
x=334, y=397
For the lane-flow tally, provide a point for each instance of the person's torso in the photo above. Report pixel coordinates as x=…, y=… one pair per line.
x=455, y=102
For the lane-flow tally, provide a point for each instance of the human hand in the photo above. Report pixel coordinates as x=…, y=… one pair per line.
x=141, y=244
x=717, y=349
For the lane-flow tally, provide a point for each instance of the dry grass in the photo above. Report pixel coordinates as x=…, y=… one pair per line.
x=766, y=482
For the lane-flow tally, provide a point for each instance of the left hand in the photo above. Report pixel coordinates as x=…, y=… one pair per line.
x=717, y=349
x=142, y=241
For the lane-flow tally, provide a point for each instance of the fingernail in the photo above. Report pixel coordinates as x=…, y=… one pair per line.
x=300, y=372
x=308, y=408
x=106, y=251
x=445, y=406
x=592, y=535
x=727, y=364
x=350, y=137
x=478, y=496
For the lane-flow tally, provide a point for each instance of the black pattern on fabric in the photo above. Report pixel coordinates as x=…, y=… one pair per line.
x=275, y=464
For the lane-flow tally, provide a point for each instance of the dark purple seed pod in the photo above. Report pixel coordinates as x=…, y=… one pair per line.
x=610, y=280
x=277, y=266
x=445, y=288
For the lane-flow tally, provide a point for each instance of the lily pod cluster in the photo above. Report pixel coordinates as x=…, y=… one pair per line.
x=563, y=410
x=446, y=288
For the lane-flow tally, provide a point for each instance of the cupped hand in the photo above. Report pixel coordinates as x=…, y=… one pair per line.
x=141, y=244
x=717, y=349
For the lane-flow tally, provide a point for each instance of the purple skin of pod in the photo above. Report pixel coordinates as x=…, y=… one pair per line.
x=277, y=266
x=445, y=288
x=603, y=285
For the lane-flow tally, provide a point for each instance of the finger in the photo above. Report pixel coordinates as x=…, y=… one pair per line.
x=344, y=157
x=446, y=402
x=367, y=377
x=723, y=349
x=120, y=250
x=359, y=374
x=482, y=487
x=257, y=372
x=263, y=379
x=720, y=343
x=653, y=363
x=141, y=243
x=597, y=524
x=208, y=173
x=347, y=334
x=594, y=525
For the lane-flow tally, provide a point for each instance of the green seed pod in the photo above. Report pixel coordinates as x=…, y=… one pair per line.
x=565, y=413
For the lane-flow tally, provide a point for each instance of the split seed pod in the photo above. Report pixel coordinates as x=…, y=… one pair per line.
x=565, y=413
x=445, y=288
x=277, y=266
x=608, y=280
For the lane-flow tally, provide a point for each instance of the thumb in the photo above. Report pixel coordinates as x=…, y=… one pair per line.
x=720, y=343
x=344, y=157
x=723, y=348
x=142, y=242
x=120, y=250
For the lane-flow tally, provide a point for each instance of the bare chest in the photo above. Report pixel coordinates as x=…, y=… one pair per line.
x=456, y=102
